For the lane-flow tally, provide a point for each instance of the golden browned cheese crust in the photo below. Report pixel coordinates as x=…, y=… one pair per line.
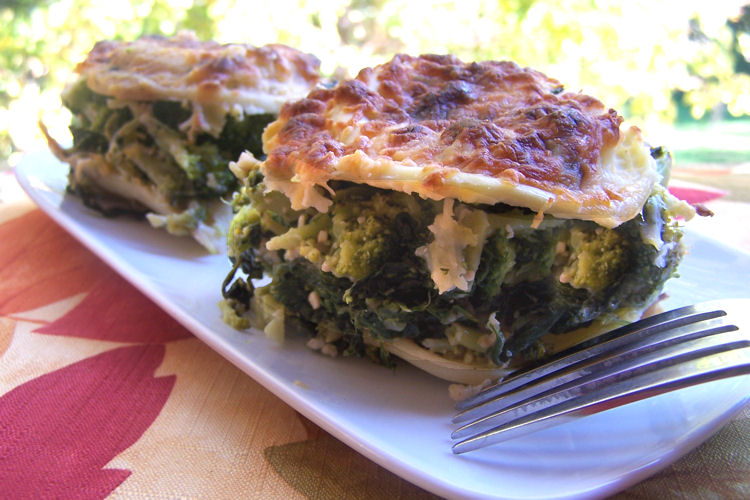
x=183, y=67
x=488, y=132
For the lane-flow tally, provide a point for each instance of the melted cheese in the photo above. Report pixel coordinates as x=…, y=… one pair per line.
x=483, y=133
x=216, y=79
x=454, y=253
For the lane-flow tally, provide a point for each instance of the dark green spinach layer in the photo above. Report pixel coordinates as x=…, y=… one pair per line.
x=370, y=283
x=179, y=168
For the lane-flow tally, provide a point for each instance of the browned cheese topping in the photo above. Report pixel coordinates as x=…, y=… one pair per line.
x=153, y=68
x=485, y=132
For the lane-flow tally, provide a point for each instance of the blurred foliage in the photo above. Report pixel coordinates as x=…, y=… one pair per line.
x=650, y=60
x=42, y=40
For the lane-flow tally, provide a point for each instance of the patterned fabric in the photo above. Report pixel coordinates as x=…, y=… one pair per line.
x=104, y=395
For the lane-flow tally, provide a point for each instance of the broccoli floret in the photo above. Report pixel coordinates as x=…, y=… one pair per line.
x=364, y=263
x=305, y=240
x=369, y=229
x=651, y=265
x=362, y=245
x=207, y=169
x=597, y=259
x=244, y=231
x=237, y=135
x=203, y=163
x=207, y=159
x=363, y=231
x=258, y=217
x=294, y=281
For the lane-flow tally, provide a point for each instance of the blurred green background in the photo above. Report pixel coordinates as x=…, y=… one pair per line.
x=679, y=69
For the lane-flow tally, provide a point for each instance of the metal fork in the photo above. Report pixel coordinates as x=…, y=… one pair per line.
x=658, y=354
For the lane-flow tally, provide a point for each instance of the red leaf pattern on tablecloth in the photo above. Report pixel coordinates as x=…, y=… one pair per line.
x=115, y=311
x=35, y=252
x=694, y=193
x=58, y=431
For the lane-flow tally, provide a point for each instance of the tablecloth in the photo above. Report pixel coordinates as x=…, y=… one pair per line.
x=103, y=395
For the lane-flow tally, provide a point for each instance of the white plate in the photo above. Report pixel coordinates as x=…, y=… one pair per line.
x=401, y=419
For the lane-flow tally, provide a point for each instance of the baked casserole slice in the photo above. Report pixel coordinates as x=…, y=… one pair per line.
x=463, y=216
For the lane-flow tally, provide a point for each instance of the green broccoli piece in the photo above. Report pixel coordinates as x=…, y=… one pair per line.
x=305, y=239
x=650, y=266
x=597, y=259
x=370, y=229
x=207, y=168
x=244, y=231
x=362, y=245
x=294, y=281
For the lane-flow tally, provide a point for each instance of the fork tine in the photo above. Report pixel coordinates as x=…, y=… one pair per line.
x=503, y=410
x=703, y=369
x=614, y=339
x=604, y=360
